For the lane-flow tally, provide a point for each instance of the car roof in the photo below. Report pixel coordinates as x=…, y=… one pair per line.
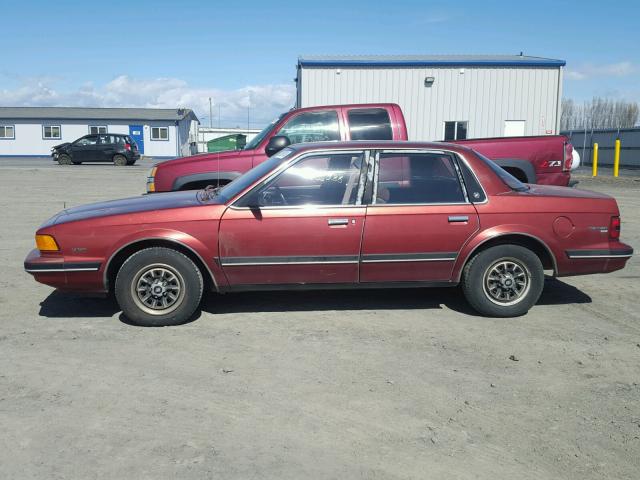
x=377, y=145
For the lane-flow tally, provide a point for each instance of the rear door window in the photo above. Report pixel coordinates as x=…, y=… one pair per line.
x=312, y=127
x=417, y=178
x=370, y=124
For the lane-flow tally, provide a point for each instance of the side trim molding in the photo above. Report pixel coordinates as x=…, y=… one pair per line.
x=410, y=257
x=303, y=260
x=62, y=267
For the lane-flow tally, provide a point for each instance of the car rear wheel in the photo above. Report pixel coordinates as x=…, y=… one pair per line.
x=158, y=287
x=503, y=281
x=64, y=159
x=120, y=160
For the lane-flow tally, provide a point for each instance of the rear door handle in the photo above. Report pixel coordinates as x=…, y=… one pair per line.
x=338, y=221
x=458, y=218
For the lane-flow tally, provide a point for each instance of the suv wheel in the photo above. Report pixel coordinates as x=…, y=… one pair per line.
x=64, y=159
x=503, y=281
x=157, y=287
x=120, y=160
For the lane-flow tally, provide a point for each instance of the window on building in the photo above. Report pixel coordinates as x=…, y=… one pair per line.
x=159, y=133
x=52, y=132
x=96, y=129
x=370, y=124
x=418, y=179
x=455, y=131
x=7, y=132
x=312, y=127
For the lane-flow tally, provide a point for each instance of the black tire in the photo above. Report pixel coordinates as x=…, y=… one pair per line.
x=155, y=273
x=64, y=159
x=503, y=281
x=119, y=160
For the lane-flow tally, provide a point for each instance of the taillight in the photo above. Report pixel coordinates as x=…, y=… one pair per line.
x=127, y=146
x=614, y=228
x=568, y=157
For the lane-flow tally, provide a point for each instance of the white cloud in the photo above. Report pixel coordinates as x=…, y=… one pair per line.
x=265, y=101
x=590, y=70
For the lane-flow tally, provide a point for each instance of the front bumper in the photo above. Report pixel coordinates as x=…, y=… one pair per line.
x=55, y=271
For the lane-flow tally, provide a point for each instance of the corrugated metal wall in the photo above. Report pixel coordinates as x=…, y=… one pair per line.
x=629, y=146
x=483, y=96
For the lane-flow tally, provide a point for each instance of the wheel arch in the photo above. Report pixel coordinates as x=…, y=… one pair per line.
x=118, y=257
x=180, y=182
x=526, y=240
x=518, y=165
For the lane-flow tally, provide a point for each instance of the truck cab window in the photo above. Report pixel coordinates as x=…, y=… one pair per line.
x=312, y=127
x=370, y=124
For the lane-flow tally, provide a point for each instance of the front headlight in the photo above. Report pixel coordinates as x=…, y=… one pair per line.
x=151, y=180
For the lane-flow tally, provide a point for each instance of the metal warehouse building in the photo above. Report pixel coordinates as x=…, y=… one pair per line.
x=32, y=131
x=444, y=97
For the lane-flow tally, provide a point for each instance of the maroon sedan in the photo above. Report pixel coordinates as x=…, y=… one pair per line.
x=333, y=215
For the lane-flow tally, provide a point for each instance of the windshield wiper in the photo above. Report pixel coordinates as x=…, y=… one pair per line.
x=209, y=193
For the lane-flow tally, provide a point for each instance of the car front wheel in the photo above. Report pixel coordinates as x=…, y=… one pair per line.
x=158, y=287
x=503, y=281
x=64, y=159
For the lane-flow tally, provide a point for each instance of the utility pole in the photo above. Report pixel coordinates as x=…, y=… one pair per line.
x=210, y=113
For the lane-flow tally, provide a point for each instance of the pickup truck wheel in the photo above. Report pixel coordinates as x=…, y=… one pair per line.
x=120, y=160
x=64, y=159
x=503, y=281
x=158, y=287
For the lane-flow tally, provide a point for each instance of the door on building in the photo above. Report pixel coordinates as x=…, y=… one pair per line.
x=137, y=133
x=514, y=128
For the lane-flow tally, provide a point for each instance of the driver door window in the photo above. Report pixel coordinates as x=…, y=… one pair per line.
x=315, y=180
x=86, y=141
x=312, y=127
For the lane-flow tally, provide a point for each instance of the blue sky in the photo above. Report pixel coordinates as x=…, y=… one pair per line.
x=178, y=53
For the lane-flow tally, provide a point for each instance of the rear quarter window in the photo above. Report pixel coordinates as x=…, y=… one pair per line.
x=370, y=124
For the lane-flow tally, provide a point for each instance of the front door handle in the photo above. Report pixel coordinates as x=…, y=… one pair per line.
x=333, y=222
x=458, y=218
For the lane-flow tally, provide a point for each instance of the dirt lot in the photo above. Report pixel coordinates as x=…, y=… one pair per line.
x=383, y=384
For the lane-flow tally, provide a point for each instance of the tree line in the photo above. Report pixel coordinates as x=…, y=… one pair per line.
x=598, y=113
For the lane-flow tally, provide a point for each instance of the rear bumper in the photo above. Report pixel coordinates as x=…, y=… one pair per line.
x=603, y=253
x=587, y=261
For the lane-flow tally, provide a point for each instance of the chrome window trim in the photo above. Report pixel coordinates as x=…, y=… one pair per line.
x=290, y=163
x=463, y=187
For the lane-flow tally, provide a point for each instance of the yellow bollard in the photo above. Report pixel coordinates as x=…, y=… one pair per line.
x=616, y=158
x=595, y=159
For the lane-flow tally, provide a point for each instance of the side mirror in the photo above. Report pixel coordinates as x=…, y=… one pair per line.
x=276, y=144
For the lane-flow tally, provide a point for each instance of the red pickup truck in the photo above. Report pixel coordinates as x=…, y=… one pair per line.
x=544, y=159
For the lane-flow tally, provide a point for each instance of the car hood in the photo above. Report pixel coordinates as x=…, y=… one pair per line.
x=143, y=203
x=62, y=145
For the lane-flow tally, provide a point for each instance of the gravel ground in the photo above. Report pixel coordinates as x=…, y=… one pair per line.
x=384, y=384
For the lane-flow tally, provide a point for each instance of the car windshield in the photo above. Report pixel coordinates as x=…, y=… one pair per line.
x=244, y=181
x=255, y=141
x=509, y=180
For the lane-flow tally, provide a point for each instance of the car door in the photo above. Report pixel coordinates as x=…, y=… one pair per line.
x=418, y=220
x=106, y=147
x=303, y=226
x=85, y=149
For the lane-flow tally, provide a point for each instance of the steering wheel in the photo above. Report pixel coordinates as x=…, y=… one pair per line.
x=272, y=196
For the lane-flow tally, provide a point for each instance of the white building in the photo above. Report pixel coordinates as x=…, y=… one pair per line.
x=443, y=97
x=159, y=133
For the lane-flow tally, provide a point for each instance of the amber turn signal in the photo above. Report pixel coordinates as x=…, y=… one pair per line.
x=46, y=243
